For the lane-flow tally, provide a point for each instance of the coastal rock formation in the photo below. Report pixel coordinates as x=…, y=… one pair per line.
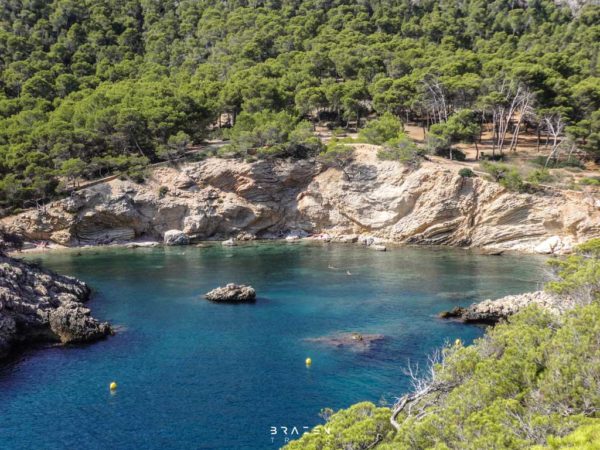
x=232, y=293
x=354, y=341
x=175, y=237
x=371, y=199
x=493, y=311
x=37, y=305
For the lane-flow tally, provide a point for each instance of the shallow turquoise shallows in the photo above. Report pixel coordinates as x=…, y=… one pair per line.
x=193, y=374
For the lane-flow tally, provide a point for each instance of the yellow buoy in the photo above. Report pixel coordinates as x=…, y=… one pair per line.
x=457, y=342
x=308, y=361
x=113, y=386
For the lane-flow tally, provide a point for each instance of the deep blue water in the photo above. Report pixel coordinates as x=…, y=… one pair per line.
x=193, y=374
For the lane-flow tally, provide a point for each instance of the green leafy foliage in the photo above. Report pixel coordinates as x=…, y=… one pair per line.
x=465, y=172
x=539, y=176
x=401, y=149
x=507, y=176
x=579, y=273
x=585, y=437
x=460, y=127
x=382, y=129
x=267, y=133
x=120, y=84
x=357, y=427
x=337, y=155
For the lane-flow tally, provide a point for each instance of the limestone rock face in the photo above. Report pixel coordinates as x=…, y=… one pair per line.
x=371, y=200
x=232, y=293
x=493, y=311
x=37, y=305
x=175, y=237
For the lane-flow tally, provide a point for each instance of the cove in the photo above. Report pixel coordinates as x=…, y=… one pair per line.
x=193, y=374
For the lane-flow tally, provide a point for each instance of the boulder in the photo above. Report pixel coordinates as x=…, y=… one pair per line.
x=229, y=243
x=232, y=293
x=176, y=237
x=378, y=247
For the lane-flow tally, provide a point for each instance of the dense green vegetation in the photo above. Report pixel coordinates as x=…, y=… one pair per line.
x=89, y=88
x=532, y=381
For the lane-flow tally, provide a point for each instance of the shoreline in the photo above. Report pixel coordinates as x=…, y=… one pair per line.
x=337, y=240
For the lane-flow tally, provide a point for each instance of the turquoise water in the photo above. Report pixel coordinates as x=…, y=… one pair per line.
x=193, y=374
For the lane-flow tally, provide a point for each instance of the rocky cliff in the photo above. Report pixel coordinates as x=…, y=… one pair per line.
x=219, y=199
x=37, y=305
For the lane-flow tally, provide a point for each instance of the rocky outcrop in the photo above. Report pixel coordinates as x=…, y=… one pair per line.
x=371, y=199
x=493, y=311
x=176, y=237
x=37, y=305
x=232, y=293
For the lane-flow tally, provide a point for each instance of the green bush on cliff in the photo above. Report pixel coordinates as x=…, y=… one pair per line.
x=585, y=437
x=578, y=275
x=401, y=149
x=358, y=427
x=382, y=129
x=506, y=175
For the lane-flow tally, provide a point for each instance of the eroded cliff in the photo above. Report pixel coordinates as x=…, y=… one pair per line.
x=219, y=199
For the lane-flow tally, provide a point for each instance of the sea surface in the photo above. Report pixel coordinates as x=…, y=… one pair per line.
x=196, y=375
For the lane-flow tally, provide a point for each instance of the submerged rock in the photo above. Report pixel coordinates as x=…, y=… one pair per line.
x=378, y=247
x=355, y=341
x=37, y=305
x=232, y=293
x=176, y=237
x=492, y=311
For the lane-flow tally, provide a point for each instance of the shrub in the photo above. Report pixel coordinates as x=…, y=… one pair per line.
x=162, y=191
x=401, y=149
x=507, y=176
x=357, y=427
x=557, y=163
x=590, y=181
x=337, y=155
x=540, y=176
x=465, y=172
x=382, y=129
x=584, y=437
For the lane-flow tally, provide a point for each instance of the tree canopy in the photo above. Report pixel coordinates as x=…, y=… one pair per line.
x=119, y=84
